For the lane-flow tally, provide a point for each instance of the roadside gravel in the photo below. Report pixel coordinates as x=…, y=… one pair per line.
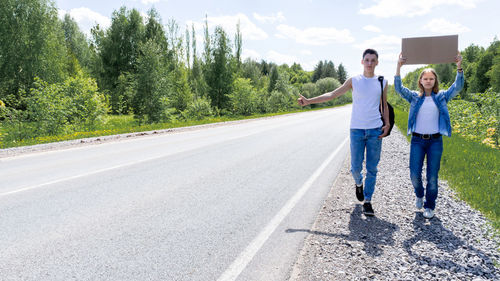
x=14, y=151
x=398, y=243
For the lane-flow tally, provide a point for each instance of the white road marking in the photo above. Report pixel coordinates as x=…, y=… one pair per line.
x=78, y=176
x=248, y=254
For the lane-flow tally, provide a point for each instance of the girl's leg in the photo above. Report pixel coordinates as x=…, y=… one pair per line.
x=434, y=153
x=417, y=155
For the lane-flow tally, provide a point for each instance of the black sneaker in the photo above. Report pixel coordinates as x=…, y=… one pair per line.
x=359, y=193
x=368, y=210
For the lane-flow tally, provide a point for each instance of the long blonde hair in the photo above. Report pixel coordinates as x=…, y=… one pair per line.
x=435, y=89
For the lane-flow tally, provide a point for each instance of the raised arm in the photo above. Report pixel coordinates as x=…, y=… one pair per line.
x=398, y=84
x=326, y=96
x=458, y=85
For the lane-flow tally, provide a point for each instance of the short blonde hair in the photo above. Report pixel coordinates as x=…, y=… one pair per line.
x=435, y=89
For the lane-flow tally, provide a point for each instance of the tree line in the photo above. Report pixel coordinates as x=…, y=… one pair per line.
x=53, y=79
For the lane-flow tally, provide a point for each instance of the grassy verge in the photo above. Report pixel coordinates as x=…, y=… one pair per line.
x=471, y=169
x=124, y=124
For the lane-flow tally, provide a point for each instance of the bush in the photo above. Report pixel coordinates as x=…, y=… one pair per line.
x=49, y=108
x=88, y=107
x=243, y=99
x=279, y=101
x=474, y=124
x=198, y=109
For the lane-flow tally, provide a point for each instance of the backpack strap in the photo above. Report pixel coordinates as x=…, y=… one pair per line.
x=381, y=80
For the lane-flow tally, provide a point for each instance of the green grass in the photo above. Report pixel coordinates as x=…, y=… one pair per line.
x=123, y=124
x=471, y=169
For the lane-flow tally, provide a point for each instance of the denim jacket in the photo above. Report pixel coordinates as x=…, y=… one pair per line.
x=440, y=99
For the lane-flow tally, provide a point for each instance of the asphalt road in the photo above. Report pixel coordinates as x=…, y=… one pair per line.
x=212, y=203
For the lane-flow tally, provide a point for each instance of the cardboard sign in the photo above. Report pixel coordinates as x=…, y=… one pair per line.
x=426, y=50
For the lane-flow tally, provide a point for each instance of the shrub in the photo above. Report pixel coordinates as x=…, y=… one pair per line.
x=279, y=101
x=469, y=121
x=243, y=99
x=48, y=107
x=198, y=109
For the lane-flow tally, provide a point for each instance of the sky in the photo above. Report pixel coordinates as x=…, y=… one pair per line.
x=307, y=31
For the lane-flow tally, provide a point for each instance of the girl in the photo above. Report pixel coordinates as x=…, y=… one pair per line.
x=427, y=122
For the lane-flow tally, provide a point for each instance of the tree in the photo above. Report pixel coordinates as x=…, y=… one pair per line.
x=494, y=72
x=238, y=45
x=273, y=78
x=219, y=75
x=446, y=73
x=188, y=48
x=151, y=96
x=32, y=45
x=318, y=72
x=342, y=74
x=119, y=48
x=480, y=81
x=197, y=81
x=329, y=70
x=77, y=43
x=154, y=30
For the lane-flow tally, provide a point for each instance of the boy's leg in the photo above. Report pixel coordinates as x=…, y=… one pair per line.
x=373, y=149
x=357, y=154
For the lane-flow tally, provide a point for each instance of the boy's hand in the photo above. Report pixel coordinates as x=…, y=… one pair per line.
x=385, y=131
x=302, y=100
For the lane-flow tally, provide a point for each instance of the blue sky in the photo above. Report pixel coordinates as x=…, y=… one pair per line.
x=306, y=31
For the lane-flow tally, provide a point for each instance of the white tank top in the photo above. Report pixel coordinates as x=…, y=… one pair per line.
x=365, y=102
x=427, y=118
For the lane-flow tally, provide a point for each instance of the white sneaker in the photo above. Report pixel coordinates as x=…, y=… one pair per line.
x=419, y=203
x=428, y=213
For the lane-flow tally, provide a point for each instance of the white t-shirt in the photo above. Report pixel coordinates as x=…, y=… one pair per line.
x=427, y=118
x=365, y=102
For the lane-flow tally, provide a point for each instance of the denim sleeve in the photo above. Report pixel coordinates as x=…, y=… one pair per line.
x=402, y=90
x=455, y=88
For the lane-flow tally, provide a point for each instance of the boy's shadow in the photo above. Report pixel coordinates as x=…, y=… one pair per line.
x=444, y=239
x=371, y=231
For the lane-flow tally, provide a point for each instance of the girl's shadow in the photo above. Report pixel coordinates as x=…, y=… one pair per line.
x=444, y=240
x=372, y=232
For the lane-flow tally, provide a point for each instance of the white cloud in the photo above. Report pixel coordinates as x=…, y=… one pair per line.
x=443, y=26
x=412, y=8
x=309, y=65
x=270, y=19
x=279, y=58
x=381, y=43
x=248, y=29
x=146, y=2
x=249, y=53
x=317, y=36
x=372, y=28
x=306, y=52
x=389, y=57
x=61, y=13
x=86, y=19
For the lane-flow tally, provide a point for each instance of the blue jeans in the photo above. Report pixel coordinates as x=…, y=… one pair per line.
x=365, y=140
x=433, y=149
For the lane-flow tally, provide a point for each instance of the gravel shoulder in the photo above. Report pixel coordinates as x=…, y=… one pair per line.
x=398, y=243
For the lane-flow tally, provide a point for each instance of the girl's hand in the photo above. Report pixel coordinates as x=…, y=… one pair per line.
x=402, y=60
x=458, y=60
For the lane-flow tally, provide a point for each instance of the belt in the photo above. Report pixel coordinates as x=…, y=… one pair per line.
x=427, y=136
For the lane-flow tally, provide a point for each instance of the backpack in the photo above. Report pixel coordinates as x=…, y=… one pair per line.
x=389, y=106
